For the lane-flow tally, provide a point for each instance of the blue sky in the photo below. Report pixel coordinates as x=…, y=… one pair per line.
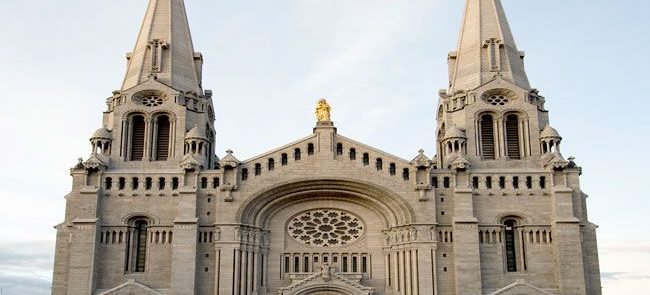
x=379, y=62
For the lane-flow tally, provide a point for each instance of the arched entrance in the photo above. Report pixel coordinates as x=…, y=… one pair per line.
x=324, y=236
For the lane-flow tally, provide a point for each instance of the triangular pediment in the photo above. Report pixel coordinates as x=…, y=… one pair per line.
x=521, y=288
x=131, y=287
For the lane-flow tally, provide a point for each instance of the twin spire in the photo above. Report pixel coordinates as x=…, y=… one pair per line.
x=164, y=49
x=486, y=48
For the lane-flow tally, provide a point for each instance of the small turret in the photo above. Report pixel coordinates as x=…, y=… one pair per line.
x=550, y=140
x=101, y=141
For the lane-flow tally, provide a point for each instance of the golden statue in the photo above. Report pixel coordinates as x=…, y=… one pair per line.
x=323, y=111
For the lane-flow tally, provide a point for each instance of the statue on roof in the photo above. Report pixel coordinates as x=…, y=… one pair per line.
x=323, y=111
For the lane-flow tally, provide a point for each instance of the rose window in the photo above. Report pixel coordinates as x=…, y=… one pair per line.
x=497, y=99
x=152, y=101
x=326, y=228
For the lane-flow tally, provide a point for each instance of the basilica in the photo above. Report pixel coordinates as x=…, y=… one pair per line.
x=496, y=209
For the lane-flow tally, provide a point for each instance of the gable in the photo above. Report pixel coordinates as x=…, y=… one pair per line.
x=131, y=287
x=521, y=288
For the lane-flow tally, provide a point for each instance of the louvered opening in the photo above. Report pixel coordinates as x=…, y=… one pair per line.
x=512, y=137
x=487, y=137
x=137, y=138
x=162, y=142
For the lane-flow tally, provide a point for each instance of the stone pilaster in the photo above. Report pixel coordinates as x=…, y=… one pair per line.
x=467, y=258
x=83, y=238
x=568, y=244
x=184, y=245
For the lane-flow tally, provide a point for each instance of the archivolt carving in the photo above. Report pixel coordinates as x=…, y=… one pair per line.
x=258, y=209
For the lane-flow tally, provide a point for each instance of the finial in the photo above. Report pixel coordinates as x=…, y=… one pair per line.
x=323, y=110
x=421, y=151
x=229, y=152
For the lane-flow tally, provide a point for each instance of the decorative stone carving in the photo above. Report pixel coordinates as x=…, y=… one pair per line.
x=326, y=228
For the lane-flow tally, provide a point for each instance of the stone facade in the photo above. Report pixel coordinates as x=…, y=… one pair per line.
x=498, y=210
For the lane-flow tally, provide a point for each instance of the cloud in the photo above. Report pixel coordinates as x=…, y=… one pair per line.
x=26, y=267
x=617, y=276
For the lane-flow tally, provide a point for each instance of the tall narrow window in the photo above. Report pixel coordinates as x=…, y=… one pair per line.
x=511, y=253
x=284, y=159
x=366, y=159
x=339, y=149
x=353, y=154
x=108, y=183
x=137, y=138
x=271, y=164
x=512, y=137
x=487, y=137
x=379, y=164
x=162, y=140
x=244, y=174
x=405, y=173
x=141, y=245
x=296, y=154
x=392, y=169
x=175, y=183
x=258, y=169
x=310, y=149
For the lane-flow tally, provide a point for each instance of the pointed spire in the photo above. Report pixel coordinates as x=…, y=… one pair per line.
x=164, y=49
x=486, y=48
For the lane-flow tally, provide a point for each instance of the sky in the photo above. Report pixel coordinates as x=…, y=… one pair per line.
x=380, y=63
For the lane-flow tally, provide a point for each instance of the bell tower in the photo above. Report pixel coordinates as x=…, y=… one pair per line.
x=161, y=100
x=489, y=101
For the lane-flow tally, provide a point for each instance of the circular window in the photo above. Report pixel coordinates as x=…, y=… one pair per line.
x=149, y=98
x=326, y=228
x=497, y=100
x=152, y=101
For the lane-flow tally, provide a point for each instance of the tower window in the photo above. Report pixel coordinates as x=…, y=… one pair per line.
x=121, y=183
x=204, y=182
x=296, y=154
x=141, y=245
x=134, y=183
x=434, y=181
x=405, y=173
x=488, y=182
x=379, y=164
x=502, y=182
x=339, y=149
x=515, y=182
x=529, y=182
x=512, y=137
x=271, y=164
x=161, y=183
x=511, y=255
x=542, y=182
x=284, y=159
x=310, y=149
x=366, y=159
x=353, y=154
x=108, y=183
x=487, y=137
x=475, y=182
x=148, y=182
x=446, y=182
x=215, y=182
x=244, y=174
x=162, y=139
x=392, y=169
x=137, y=138
x=175, y=183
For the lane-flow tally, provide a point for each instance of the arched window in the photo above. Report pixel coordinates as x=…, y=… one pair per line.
x=284, y=159
x=258, y=169
x=137, y=138
x=511, y=252
x=487, y=137
x=310, y=149
x=353, y=154
x=296, y=154
x=366, y=159
x=162, y=138
x=512, y=137
x=140, y=249
x=392, y=169
x=379, y=164
x=271, y=164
